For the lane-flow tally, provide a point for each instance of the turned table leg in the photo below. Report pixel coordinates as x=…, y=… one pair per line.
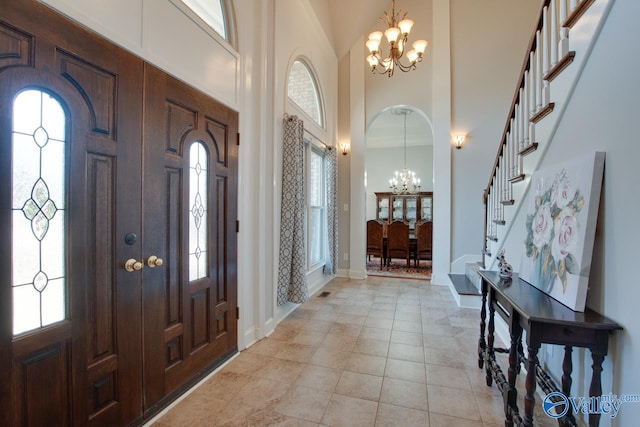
x=482, y=345
x=490, y=341
x=510, y=394
x=567, y=369
x=595, y=389
x=530, y=383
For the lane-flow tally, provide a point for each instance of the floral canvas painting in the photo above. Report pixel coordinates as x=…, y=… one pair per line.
x=562, y=210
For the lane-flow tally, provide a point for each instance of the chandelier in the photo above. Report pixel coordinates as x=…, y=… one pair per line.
x=404, y=182
x=397, y=31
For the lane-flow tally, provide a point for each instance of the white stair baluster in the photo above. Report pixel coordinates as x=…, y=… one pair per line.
x=532, y=84
x=563, y=44
x=544, y=53
x=525, y=111
x=554, y=30
x=539, y=71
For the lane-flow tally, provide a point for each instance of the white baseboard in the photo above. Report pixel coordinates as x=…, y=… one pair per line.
x=354, y=274
x=320, y=284
x=342, y=272
x=441, y=280
x=250, y=337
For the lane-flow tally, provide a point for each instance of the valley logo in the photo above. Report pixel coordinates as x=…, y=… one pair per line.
x=556, y=404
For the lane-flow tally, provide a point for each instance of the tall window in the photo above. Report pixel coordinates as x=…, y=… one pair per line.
x=198, y=187
x=211, y=12
x=303, y=91
x=38, y=208
x=316, y=208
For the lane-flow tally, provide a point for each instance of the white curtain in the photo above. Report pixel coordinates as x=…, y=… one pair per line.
x=292, y=269
x=331, y=164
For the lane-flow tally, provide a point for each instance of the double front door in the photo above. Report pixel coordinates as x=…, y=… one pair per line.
x=118, y=195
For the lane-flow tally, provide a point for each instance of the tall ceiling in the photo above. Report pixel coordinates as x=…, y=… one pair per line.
x=344, y=22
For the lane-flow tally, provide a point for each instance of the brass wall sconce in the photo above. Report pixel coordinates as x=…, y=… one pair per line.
x=458, y=141
x=344, y=146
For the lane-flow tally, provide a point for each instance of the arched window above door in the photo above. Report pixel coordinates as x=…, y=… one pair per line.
x=302, y=89
x=215, y=13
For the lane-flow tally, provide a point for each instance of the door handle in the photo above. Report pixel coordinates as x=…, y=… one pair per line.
x=154, y=261
x=132, y=265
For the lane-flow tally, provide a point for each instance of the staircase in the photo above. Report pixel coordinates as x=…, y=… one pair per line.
x=560, y=46
x=551, y=69
x=467, y=286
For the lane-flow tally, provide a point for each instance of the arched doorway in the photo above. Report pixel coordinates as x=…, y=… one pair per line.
x=399, y=137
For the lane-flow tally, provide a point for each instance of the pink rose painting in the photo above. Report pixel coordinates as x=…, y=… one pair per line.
x=560, y=229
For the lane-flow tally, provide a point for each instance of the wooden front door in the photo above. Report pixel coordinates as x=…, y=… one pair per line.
x=189, y=216
x=100, y=323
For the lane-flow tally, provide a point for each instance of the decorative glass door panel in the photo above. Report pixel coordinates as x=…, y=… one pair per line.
x=411, y=210
x=426, y=208
x=398, y=208
x=383, y=208
x=39, y=200
x=198, y=189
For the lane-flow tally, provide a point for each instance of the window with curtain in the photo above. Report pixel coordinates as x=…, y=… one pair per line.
x=316, y=208
x=211, y=12
x=304, y=96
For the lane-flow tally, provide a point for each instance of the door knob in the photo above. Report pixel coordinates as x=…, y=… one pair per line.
x=133, y=265
x=154, y=261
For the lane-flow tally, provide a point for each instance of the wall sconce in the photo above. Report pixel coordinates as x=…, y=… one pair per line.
x=344, y=146
x=458, y=141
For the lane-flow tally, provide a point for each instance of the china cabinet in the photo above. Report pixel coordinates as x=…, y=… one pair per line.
x=404, y=207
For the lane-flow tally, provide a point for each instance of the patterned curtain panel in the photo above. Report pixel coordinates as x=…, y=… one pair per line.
x=292, y=270
x=331, y=263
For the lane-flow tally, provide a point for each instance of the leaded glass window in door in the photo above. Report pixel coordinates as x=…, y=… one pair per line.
x=38, y=211
x=198, y=224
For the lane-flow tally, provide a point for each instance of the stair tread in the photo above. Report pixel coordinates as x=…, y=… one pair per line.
x=463, y=285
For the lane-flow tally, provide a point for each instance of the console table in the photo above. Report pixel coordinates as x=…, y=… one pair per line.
x=546, y=321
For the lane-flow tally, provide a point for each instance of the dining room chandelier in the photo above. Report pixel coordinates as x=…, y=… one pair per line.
x=404, y=182
x=397, y=33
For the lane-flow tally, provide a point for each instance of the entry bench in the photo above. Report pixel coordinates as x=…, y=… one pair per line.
x=546, y=321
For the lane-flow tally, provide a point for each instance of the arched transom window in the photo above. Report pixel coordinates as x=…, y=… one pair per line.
x=302, y=89
x=211, y=12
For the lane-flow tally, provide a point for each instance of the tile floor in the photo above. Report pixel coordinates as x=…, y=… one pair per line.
x=375, y=352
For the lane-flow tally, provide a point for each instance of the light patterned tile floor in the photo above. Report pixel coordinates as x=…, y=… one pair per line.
x=375, y=352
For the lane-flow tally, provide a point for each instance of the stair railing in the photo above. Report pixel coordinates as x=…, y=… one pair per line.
x=547, y=55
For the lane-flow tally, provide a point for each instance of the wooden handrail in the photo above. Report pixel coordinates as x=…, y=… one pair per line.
x=525, y=67
x=546, y=57
x=572, y=17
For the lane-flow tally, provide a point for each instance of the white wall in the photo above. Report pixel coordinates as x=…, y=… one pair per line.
x=601, y=115
x=465, y=83
x=412, y=88
x=488, y=50
x=167, y=34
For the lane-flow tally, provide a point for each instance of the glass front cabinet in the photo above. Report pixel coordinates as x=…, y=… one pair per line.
x=404, y=207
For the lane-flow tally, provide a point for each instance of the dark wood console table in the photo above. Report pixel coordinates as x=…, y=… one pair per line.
x=546, y=321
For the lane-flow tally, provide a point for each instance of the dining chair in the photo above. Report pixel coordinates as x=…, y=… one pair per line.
x=424, y=241
x=375, y=245
x=398, y=242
